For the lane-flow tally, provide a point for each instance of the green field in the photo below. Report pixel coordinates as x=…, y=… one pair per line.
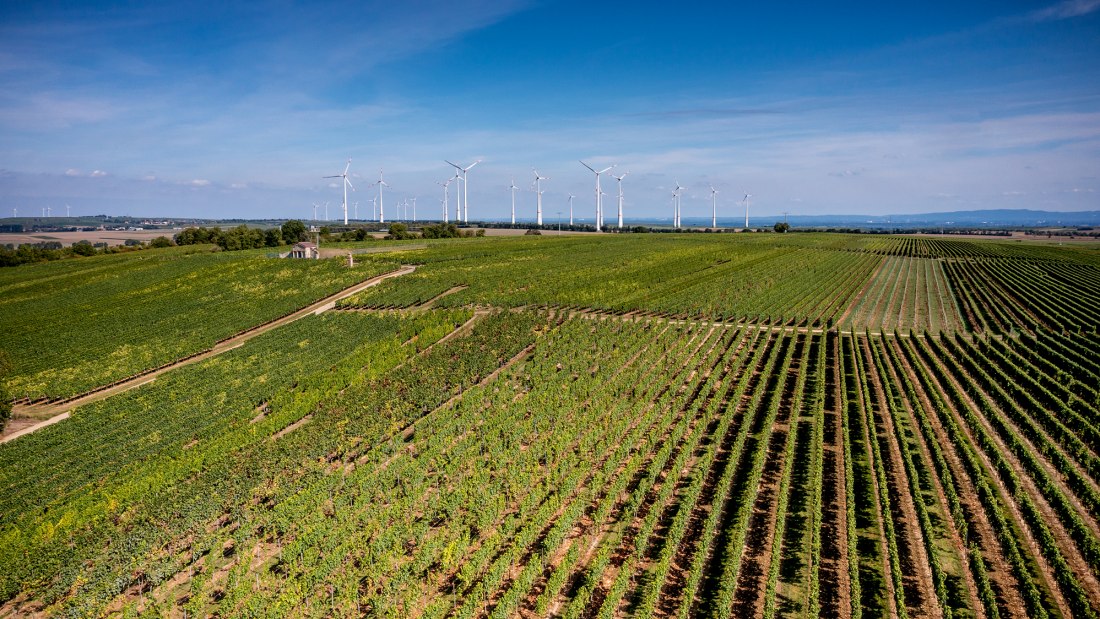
x=705, y=425
x=76, y=324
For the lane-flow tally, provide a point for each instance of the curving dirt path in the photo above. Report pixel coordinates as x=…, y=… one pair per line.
x=59, y=411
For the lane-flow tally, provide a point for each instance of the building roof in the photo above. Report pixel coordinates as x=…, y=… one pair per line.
x=305, y=245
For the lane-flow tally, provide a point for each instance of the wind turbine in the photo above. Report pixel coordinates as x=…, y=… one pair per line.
x=356, y=209
x=458, y=199
x=513, y=188
x=446, y=185
x=414, y=208
x=15, y=211
x=745, y=201
x=538, y=192
x=374, y=207
x=713, y=207
x=326, y=212
x=66, y=210
x=620, y=179
x=599, y=194
x=675, y=197
x=571, y=196
x=347, y=182
x=315, y=205
x=465, y=188
x=381, y=208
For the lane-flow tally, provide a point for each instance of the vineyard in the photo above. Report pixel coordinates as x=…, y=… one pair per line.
x=73, y=325
x=673, y=426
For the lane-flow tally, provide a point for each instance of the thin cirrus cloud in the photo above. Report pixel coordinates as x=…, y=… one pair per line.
x=1065, y=10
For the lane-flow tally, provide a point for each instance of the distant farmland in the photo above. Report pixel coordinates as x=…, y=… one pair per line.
x=594, y=426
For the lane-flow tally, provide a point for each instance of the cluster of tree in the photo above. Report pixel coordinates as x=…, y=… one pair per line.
x=781, y=226
x=448, y=231
x=358, y=234
x=400, y=232
x=28, y=253
x=243, y=237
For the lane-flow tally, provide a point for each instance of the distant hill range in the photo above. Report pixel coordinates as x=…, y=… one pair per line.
x=996, y=218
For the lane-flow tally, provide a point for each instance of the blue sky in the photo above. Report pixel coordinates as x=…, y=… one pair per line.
x=238, y=109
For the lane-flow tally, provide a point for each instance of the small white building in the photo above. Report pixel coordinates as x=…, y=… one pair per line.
x=305, y=249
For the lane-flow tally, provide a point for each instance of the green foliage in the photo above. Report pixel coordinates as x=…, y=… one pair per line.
x=197, y=236
x=441, y=231
x=73, y=325
x=399, y=232
x=273, y=237
x=547, y=457
x=5, y=397
x=781, y=226
x=717, y=276
x=241, y=237
x=294, y=231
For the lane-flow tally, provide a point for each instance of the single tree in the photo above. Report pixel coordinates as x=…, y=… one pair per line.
x=294, y=231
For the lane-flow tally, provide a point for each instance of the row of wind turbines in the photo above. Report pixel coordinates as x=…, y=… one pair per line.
x=47, y=211
x=462, y=203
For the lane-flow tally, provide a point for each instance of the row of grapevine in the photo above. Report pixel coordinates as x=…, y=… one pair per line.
x=74, y=325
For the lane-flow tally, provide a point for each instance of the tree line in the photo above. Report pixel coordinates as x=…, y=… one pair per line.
x=47, y=251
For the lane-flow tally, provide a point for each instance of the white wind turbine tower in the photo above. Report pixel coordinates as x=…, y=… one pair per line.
x=465, y=188
x=315, y=205
x=356, y=207
x=620, y=180
x=713, y=207
x=374, y=207
x=571, y=196
x=414, y=208
x=347, y=182
x=446, y=185
x=381, y=208
x=675, y=206
x=745, y=201
x=66, y=210
x=326, y=212
x=458, y=199
x=599, y=194
x=513, y=189
x=538, y=193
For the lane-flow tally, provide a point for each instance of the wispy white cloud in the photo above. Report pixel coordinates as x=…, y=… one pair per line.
x=1065, y=10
